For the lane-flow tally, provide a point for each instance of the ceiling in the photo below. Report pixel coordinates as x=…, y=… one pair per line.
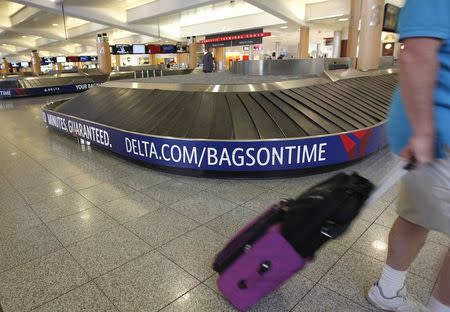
x=39, y=24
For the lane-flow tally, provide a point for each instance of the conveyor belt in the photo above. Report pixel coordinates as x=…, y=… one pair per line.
x=322, y=109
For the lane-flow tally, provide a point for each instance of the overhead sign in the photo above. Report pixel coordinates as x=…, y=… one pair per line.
x=237, y=37
x=247, y=37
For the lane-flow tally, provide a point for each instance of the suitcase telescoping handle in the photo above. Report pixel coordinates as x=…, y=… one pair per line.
x=395, y=175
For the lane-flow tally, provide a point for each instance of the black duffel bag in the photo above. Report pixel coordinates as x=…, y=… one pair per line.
x=324, y=212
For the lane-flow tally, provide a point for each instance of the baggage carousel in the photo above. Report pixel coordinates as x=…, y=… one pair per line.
x=268, y=127
x=48, y=85
x=70, y=82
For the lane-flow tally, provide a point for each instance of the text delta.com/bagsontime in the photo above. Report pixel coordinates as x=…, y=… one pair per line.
x=200, y=155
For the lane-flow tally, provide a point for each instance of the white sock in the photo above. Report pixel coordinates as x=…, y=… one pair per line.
x=391, y=281
x=435, y=306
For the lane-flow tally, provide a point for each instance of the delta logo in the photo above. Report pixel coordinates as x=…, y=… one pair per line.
x=355, y=143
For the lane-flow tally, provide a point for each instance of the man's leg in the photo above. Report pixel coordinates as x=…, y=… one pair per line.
x=442, y=292
x=406, y=239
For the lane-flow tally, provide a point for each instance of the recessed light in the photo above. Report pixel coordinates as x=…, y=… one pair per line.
x=343, y=19
x=24, y=36
x=54, y=24
x=283, y=27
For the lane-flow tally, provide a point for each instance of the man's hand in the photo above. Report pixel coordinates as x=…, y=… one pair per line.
x=421, y=148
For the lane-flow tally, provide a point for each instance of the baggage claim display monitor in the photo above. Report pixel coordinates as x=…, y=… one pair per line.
x=61, y=59
x=139, y=49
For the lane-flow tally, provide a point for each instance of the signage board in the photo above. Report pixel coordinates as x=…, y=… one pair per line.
x=139, y=49
x=61, y=59
x=248, y=37
x=225, y=156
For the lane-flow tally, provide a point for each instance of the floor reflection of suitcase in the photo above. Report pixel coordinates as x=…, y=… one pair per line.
x=268, y=251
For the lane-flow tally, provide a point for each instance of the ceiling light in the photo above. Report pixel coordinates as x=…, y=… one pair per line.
x=343, y=19
x=24, y=36
x=283, y=27
x=54, y=24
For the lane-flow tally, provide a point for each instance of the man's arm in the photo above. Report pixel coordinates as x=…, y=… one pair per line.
x=419, y=66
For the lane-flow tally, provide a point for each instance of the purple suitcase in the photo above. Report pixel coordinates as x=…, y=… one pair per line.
x=243, y=287
x=258, y=259
x=266, y=263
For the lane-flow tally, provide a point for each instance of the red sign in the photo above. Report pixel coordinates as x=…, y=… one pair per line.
x=236, y=37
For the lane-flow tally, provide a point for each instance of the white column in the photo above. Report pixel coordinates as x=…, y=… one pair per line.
x=337, y=44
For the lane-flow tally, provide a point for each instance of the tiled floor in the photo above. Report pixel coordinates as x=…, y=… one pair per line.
x=83, y=230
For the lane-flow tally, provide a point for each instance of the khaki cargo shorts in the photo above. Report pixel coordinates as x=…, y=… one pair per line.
x=424, y=197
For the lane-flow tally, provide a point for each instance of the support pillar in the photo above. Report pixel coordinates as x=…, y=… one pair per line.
x=370, y=34
x=219, y=56
x=277, y=49
x=117, y=61
x=353, y=30
x=35, y=63
x=103, y=54
x=337, y=38
x=152, y=59
x=5, y=67
x=183, y=58
x=192, y=54
x=303, y=46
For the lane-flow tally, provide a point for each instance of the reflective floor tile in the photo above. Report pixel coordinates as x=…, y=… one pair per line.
x=106, y=192
x=24, y=246
x=17, y=220
x=62, y=168
x=237, y=191
x=203, y=206
x=201, y=298
x=388, y=217
x=268, y=183
x=148, y=283
x=195, y=251
x=81, y=225
x=39, y=281
x=286, y=297
x=212, y=283
x=264, y=201
x=293, y=187
x=355, y=273
x=325, y=258
x=10, y=199
x=372, y=212
x=161, y=226
x=199, y=183
x=42, y=192
x=86, y=298
x=170, y=191
x=374, y=242
x=24, y=178
x=439, y=238
x=321, y=299
x=130, y=207
x=82, y=181
x=231, y=222
x=144, y=179
x=107, y=250
x=429, y=261
x=61, y=206
x=356, y=229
